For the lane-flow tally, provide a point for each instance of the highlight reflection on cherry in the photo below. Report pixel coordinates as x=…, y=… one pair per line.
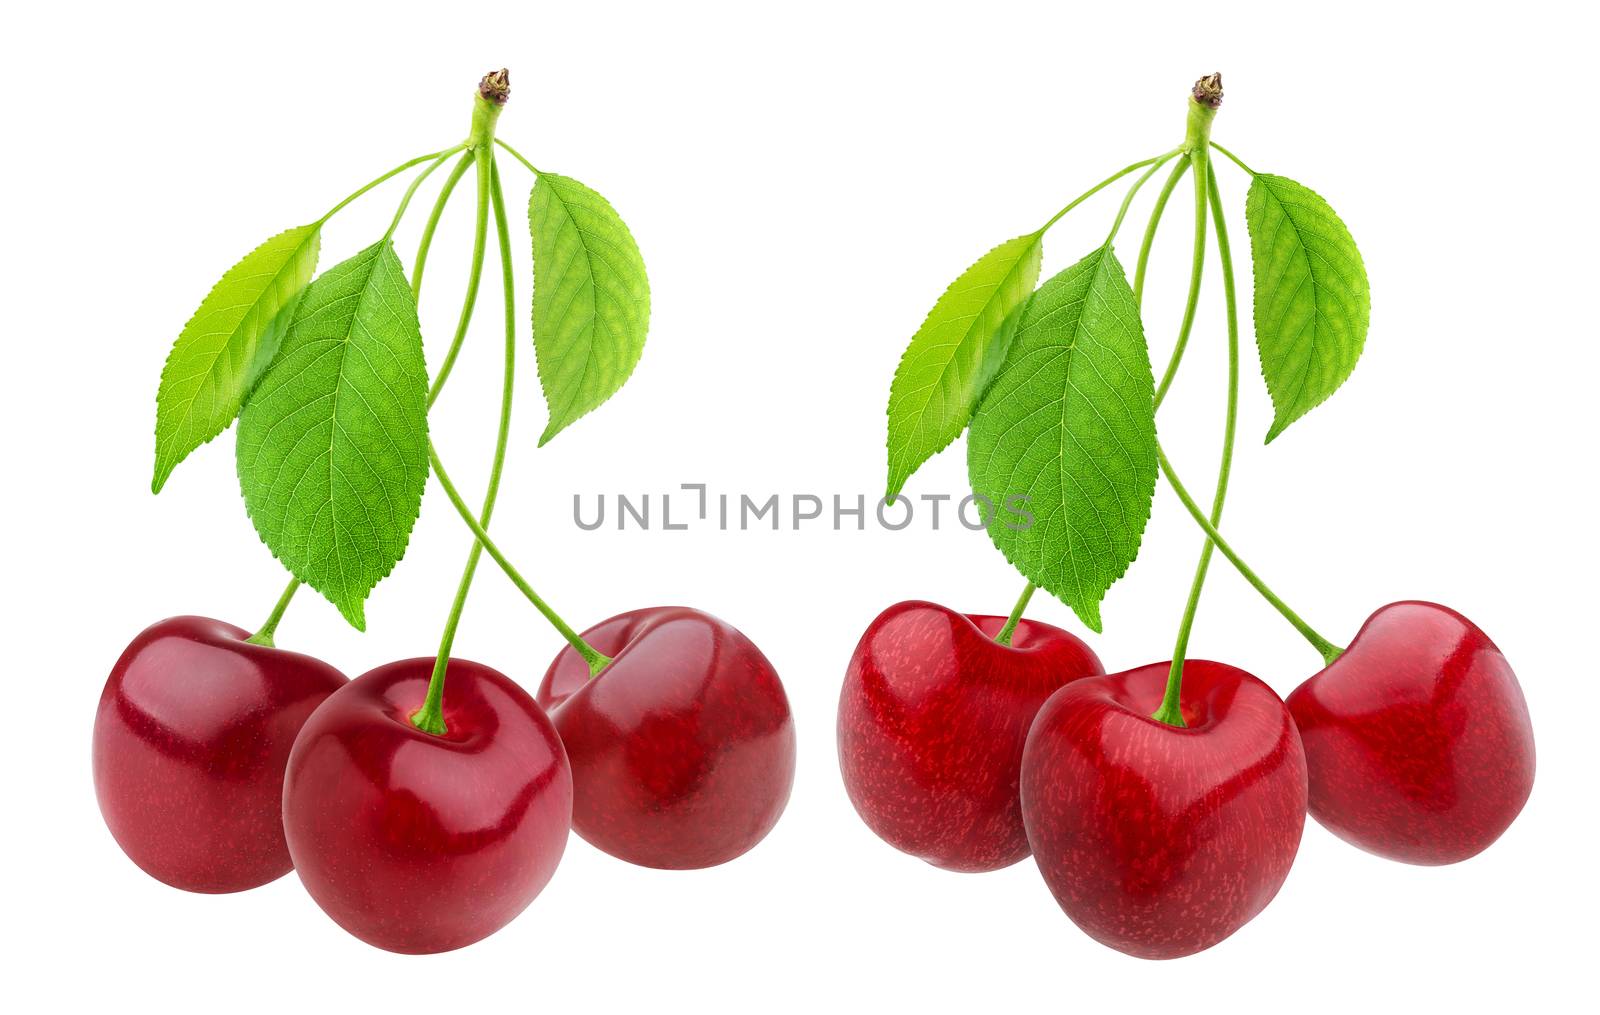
x=190, y=741
x=682, y=747
x=422, y=843
x=932, y=718
x=1418, y=738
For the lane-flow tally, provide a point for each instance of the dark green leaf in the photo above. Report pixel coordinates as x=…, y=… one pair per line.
x=1069, y=424
x=333, y=442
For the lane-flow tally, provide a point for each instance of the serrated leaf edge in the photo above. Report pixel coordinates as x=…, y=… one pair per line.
x=159, y=479
x=355, y=614
x=1280, y=423
x=894, y=487
x=551, y=428
x=1088, y=612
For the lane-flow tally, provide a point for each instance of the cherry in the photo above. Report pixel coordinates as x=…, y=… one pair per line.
x=682, y=747
x=932, y=719
x=1160, y=840
x=190, y=741
x=416, y=842
x=1417, y=737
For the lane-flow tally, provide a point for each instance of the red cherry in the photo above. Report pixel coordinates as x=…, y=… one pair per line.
x=1417, y=737
x=420, y=843
x=932, y=719
x=682, y=748
x=1160, y=841
x=190, y=741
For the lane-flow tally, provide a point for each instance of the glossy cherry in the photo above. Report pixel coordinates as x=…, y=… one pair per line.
x=1157, y=840
x=682, y=748
x=190, y=741
x=422, y=843
x=1417, y=737
x=932, y=719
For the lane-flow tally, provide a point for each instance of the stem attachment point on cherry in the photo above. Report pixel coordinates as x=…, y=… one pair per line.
x=1010, y=628
x=265, y=633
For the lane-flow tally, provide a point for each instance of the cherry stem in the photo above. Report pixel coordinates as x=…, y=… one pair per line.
x=426, y=243
x=1010, y=628
x=1234, y=158
x=486, y=111
x=1206, y=197
x=1181, y=167
x=1328, y=650
x=595, y=659
x=396, y=171
x=264, y=634
x=519, y=157
x=405, y=200
x=1108, y=181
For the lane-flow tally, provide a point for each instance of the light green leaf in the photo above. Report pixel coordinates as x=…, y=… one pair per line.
x=227, y=343
x=954, y=354
x=333, y=442
x=1069, y=424
x=1312, y=304
x=591, y=299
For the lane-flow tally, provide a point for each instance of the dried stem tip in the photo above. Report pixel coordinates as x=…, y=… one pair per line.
x=496, y=86
x=1208, y=90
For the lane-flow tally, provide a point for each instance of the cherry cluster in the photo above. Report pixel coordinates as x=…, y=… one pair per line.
x=1164, y=804
x=1158, y=840
x=220, y=765
x=427, y=802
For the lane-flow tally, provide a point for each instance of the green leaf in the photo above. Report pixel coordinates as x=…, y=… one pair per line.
x=333, y=443
x=227, y=343
x=591, y=299
x=1312, y=304
x=955, y=353
x=1069, y=423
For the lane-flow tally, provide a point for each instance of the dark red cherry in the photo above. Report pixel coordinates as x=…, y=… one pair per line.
x=682, y=748
x=421, y=843
x=932, y=718
x=190, y=742
x=1417, y=737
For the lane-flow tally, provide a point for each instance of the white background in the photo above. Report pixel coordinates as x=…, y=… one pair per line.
x=803, y=183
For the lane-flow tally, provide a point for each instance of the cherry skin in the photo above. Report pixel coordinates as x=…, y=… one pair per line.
x=682, y=748
x=1417, y=737
x=1161, y=841
x=932, y=719
x=419, y=843
x=190, y=741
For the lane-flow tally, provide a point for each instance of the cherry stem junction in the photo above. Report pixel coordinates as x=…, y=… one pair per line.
x=1010, y=628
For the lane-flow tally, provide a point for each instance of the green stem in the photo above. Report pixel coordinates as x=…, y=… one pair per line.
x=1206, y=193
x=1327, y=649
x=1103, y=184
x=1196, y=270
x=1150, y=229
x=480, y=240
x=1004, y=637
x=594, y=658
x=430, y=717
x=518, y=156
x=396, y=171
x=405, y=201
x=264, y=635
x=426, y=243
x=1235, y=158
x=1127, y=199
